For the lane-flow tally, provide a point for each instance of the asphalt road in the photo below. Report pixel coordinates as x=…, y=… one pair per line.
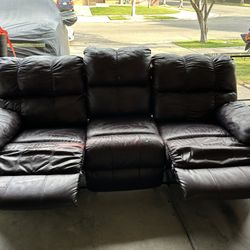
x=159, y=35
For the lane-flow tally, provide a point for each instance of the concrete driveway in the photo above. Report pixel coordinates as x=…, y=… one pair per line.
x=156, y=35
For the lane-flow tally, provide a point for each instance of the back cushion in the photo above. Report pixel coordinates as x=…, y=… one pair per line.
x=118, y=81
x=192, y=86
x=44, y=90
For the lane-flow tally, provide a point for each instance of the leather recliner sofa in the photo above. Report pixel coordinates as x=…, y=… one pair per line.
x=121, y=119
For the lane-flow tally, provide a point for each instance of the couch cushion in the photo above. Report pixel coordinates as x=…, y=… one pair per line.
x=202, y=146
x=191, y=87
x=118, y=81
x=48, y=160
x=123, y=154
x=44, y=90
x=206, y=159
x=44, y=151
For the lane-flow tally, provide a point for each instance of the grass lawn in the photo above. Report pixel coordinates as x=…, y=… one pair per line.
x=126, y=10
x=242, y=69
x=210, y=44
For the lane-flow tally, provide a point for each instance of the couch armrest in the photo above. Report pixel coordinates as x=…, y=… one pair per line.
x=235, y=118
x=10, y=124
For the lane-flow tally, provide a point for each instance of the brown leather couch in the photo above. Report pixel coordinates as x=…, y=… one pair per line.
x=121, y=119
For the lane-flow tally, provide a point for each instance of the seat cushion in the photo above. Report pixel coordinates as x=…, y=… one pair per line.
x=43, y=151
x=123, y=153
x=42, y=165
x=207, y=161
x=203, y=145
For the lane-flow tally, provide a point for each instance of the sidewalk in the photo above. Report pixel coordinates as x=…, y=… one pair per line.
x=84, y=15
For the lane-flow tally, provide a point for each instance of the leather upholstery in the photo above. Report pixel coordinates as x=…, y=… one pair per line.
x=43, y=111
x=123, y=153
x=37, y=158
x=118, y=81
x=235, y=117
x=44, y=151
x=9, y=126
x=123, y=149
x=33, y=190
x=191, y=87
x=215, y=183
x=207, y=160
x=44, y=90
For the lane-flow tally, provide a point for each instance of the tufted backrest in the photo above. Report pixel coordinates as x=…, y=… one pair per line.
x=44, y=90
x=118, y=81
x=191, y=87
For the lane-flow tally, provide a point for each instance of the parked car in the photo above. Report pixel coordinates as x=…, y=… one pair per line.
x=69, y=17
x=65, y=5
x=34, y=27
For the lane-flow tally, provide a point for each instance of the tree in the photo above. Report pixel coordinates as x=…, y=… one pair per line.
x=202, y=11
x=181, y=4
x=133, y=8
